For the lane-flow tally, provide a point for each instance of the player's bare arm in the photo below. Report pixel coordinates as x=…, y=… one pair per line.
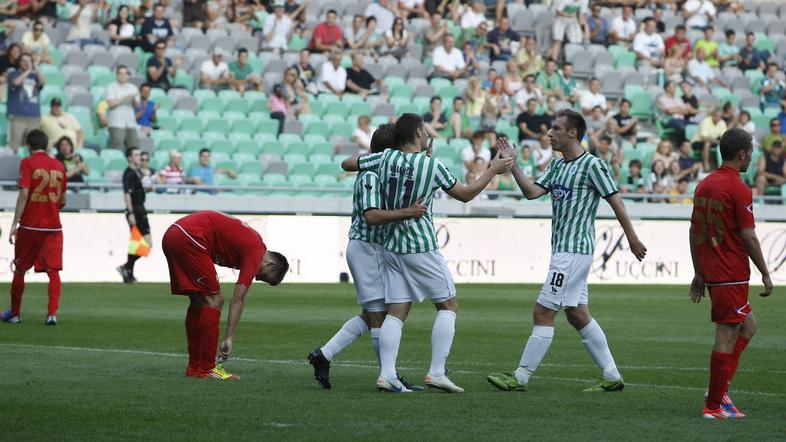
x=379, y=216
x=129, y=209
x=351, y=164
x=636, y=246
x=752, y=245
x=697, y=287
x=21, y=202
x=236, y=306
x=529, y=189
x=466, y=193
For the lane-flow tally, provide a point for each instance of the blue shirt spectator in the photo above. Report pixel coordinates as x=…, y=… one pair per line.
x=598, y=26
x=155, y=28
x=204, y=173
x=500, y=39
x=750, y=57
x=24, y=87
x=145, y=113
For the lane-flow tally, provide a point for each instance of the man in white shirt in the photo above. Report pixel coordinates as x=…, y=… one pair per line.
x=448, y=61
x=623, y=29
x=333, y=76
x=569, y=21
x=473, y=16
x=648, y=44
x=698, y=13
x=530, y=91
x=214, y=73
x=277, y=28
x=82, y=15
x=700, y=71
x=383, y=13
x=122, y=97
x=593, y=97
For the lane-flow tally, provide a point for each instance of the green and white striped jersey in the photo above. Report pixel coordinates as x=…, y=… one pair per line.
x=404, y=179
x=365, y=196
x=576, y=188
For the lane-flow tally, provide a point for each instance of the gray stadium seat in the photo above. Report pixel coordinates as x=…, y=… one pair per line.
x=216, y=32
x=737, y=24
x=604, y=58
x=271, y=79
x=9, y=168
x=279, y=66
x=146, y=144
x=757, y=25
x=384, y=110
x=582, y=65
x=137, y=79
x=572, y=50
x=426, y=90
x=348, y=148
x=634, y=78
x=72, y=90
x=128, y=59
x=278, y=167
x=81, y=79
x=226, y=43
x=742, y=82
x=250, y=43
x=523, y=22
x=292, y=126
x=415, y=50
x=776, y=28
x=106, y=59
x=186, y=103
x=611, y=84
x=78, y=58
x=396, y=70
x=84, y=99
x=291, y=58
x=768, y=10
x=375, y=70
x=202, y=42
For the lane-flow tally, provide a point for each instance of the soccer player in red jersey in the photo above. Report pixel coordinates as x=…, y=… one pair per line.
x=36, y=231
x=722, y=237
x=192, y=245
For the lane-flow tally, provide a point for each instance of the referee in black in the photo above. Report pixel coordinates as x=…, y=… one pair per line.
x=136, y=214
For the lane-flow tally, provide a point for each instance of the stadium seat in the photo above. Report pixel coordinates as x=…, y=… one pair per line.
x=300, y=148
x=273, y=147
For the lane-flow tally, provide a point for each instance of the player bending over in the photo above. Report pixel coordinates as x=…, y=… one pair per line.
x=36, y=232
x=414, y=267
x=577, y=182
x=722, y=237
x=364, y=256
x=192, y=245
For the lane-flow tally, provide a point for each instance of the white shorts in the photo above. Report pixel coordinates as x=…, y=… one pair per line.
x=569, y=26
x=566, y=283
x=366, y=264
x=414, y=277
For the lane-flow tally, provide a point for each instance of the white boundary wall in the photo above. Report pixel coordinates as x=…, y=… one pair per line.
x=478, y=250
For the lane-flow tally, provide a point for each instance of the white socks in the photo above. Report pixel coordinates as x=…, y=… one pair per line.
x=349, y=332
x=595, y=342
x=389, y=340
x=375, y=341
x=537, y=346
x=441, y=341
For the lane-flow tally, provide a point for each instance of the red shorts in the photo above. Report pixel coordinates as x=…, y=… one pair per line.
x=729, y=303
x=42, y=249
x=191, y=270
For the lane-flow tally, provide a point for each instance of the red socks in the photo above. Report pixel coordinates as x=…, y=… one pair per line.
x=17, y=288
x=54, y=291
x=720, y=373
x=193, y=334
x=739, y=346
x=209, y=327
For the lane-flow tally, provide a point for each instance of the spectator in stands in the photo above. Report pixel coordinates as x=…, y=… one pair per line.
x=145, y=111
x=782, y=116
x=744, y=122
x=333, y=76
x=599, y=32
x=397, y=39
x=354, y=33
x=674, y=65
x=528, y=58
x=478, y=39
x=568, y=82
x=593, y=97
x=327, y=35
x=448, y=61
x=83, y=14
x=160, y=69
x=359, y=80
x=372, y=40
x=673, y=106
x=596, y=127
x=665, y=154
x=497, y=104
x=294, y=92
x=528, y=92
x=458, y=123
x=122, y=97
x=543, y=153
x=8, y=60
x=435, y=119
x=58, y=124
x=710, y=47
x=295, y=11
x=278, y=106
x=729, y=114
x=691, y=101
x=214, y=73
x=156, y=27
x=774, y=135
x=146, y=173
x=511, y=82
x=728, y=52
x=435, y=33
x=680, y=188
x=708, y=135
x=659, y=181
x=623, y=28
x=476, y=149
x=473, y=16
x=23, y=107
x=635, y=182
x=648, y=44
x=568, y=22
x=752, y=58
x=500, y=40
x=383, y=12
x=604, y=152
x=471, y=59
x=277, y=29
x=76, y=167
x=242, y=76
x=549, y=80
x=679, y=39
x=689, y=167
x=701, y=73
x=698, y=13
x=657, y=15
x=306, y=72
x=476, y=169
x=362, y=134
x=204, y=173
x=772, y=168
x=527, y=162
x=195, y=14
x=37, y=42
x=122, y=31
x=772, y=88
x=475, y=97
x=172, y=173
x=411, y=9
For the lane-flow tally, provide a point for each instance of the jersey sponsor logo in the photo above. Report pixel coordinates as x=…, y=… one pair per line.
x=200, y=280
x=750, y=207
x=367, y=186
x=560, y=192
x=740, y=310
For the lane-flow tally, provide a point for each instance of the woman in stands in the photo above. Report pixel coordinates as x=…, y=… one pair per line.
x=397, y=39
x=76, y=167
x=121, y=30
x=294, y=92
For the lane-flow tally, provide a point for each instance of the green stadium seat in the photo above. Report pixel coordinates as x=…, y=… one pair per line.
x=392, y=82
x=169, y=144
x=318, y=159
x=95, y=164
x=209, y=137
x=438, y=83
x=317, y=128
x=229, y=94
x=330, y=120
x=273, y=147
x=401, y=90
x=316, y=108
x=351, y=99
x=289, y=139
x=332, y=169
x=302, y=168
x=270, y=127
x=325, y=180
x=192, y=124
x=298, y=148
x=238, y=136
x=407, y=108
x=362, y=108
x=214, y=104
x=264, y=137
x=85, y=118
x=217, y=125
x=243, y=157
x=184, y=80
x=322, y=148
x=642, y=105
x=328, y=99
x=625, y=59
x=169, y=123
x=343, y=129
x=250, y=147
x=116, y=164
x=379, y=120
x=337, y=108
x=189, y=137
x=448, y=93
x=49, y=92
x=274, y=180
x=243, y=126
x=294, y=158
x=314, y=138
x=222, y=146
x=239, y=105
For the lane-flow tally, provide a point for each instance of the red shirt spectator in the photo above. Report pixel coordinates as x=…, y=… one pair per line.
x=679, y=38
x=327, y=35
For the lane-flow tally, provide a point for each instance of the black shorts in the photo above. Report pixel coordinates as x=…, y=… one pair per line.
x=141, y=220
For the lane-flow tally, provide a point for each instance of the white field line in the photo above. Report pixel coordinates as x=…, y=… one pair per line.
x=369, y=365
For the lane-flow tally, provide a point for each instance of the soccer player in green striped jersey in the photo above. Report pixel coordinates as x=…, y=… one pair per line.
x=364, y=256
x=577, y=182
x=415, y=268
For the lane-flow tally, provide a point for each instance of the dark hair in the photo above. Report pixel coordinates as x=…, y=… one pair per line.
x=635, y=163
x=574, y=121
x=160, y=41
x=606, y=138
x=203, y=150
x=144, y=85
x=730, y=32
x=37, y=22
x=648, y=19
x=64, y=138
x=435, y=97
x=242, y=51
x=750, y=34
x=121, y=66
x=383, y=137
x=36, y=139
x=680, y=28
x=746, y=113
x=457, y=98
x=281, y=267
x=130, y=151
x=625, y=100
x=369, y=18
x=567, y=63
x=478, y=134
x=332, y=11
x=733, y=141
x=406, y=126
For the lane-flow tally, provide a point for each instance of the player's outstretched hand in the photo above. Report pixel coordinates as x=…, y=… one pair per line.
x=224, y=350
x=416, y=209
x=507, y=149
x=696, y=289
x=638, y=249
x=767, y=281
x=500, y=165
x=12, y=235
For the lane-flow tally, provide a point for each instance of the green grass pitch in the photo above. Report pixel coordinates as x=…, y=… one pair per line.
x=113, y=370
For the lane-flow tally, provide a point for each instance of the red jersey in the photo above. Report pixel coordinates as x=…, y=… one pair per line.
x=227, y=240
x=46, y=179
x=327, y=34
x=722, y=208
